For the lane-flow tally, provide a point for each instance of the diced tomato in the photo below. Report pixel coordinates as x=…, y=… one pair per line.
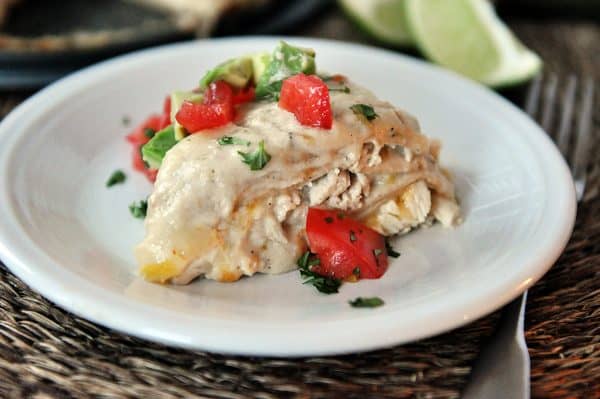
x=196, y=117
x=244, y=96
x=165, y=120
x=218, y=92
x=151, y=174
x=338, y=78
x=344, y=246
x=139, y=136
x=137, y=161
x=216, y=109
x=307, y=97
x=139, y=164
x=167, y=106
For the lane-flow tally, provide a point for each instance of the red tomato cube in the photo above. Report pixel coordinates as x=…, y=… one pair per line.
x=344, y=246
x=307, y=97
x=216, y=109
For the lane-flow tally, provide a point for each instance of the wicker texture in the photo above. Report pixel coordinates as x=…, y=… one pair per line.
x=44, y=349
x=46, y=352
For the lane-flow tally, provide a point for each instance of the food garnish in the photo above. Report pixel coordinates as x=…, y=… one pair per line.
x=390, y=250
x=148, y=132
x=286, y=61
x=138, y=209
x=215, y=110
x=365, y=111
x=326, y=285
x=257, y=159
x=230, y=140
x=117, y=177
x=155, y=150
x=336, y=188
x=307, y=97
x=372, y=302
x=343, y=244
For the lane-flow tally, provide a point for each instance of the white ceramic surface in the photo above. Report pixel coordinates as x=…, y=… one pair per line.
x=71, y=239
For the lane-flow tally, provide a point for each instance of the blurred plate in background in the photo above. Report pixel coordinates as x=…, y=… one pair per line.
x=42, y=41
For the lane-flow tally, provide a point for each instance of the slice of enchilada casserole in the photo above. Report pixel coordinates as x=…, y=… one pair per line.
x=231, y=199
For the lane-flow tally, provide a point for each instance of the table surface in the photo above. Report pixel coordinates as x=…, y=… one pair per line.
x=48, y=352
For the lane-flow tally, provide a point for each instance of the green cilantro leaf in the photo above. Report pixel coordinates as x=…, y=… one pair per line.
x=257, y=159
x=361, y=302
x=117, y=177
x=364, y=110
x=138, y=209
x=229, y=140
x=352, y=236
x=326, y=285
x=390, y=251
x=343, y=88
x=284, y=62
x=149, y=132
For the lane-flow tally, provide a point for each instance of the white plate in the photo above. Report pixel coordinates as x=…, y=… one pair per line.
x=71, y=239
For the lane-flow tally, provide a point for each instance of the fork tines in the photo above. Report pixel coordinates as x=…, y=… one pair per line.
x=572, y=135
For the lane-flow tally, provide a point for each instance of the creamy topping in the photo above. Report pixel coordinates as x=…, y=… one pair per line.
x=210, y=214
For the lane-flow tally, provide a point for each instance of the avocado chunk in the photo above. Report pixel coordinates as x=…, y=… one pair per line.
x=153, y=152
x=260, y=61
x=177, y=99
x=286, y=61
x=237, y=72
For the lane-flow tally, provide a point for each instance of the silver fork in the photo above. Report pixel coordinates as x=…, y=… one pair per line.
x=503, y=367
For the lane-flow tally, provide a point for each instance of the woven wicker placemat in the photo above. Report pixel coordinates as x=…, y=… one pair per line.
x=46, y=352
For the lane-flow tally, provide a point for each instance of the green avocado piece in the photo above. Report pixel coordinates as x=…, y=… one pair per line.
x=177, y=99
x=153, y=152
x=260, y=61
x=286, y=61
x=237, y=72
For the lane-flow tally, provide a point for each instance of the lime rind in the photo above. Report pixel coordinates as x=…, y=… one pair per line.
x=468, y=37
x=382, y=19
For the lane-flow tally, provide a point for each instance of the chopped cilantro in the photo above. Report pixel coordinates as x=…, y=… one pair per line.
x=352, y=236
x=365, y=110
x=390, y=251
x=257, y=159
x=333, y=78
x=326, y=285
x=343, y=89
x=117, y=177
x=138, y=209
x=356, y=271
x=328, y=220
x=284, y=62
x=377, y=252
x=361, y=302
x=229, y=140
x=149, y=132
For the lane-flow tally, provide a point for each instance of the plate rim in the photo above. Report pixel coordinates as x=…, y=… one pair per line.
x=14, y=249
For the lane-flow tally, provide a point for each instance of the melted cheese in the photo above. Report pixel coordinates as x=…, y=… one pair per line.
x=211, y=215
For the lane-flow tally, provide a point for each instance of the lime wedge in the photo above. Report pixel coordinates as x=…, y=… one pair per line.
x=382, y=19
x=468, y=37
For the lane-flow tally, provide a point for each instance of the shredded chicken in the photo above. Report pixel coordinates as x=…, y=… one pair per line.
x=332, y=184
x=211, y=215
x=402, y=214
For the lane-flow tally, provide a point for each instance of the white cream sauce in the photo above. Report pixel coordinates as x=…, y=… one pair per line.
x=211, y=215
